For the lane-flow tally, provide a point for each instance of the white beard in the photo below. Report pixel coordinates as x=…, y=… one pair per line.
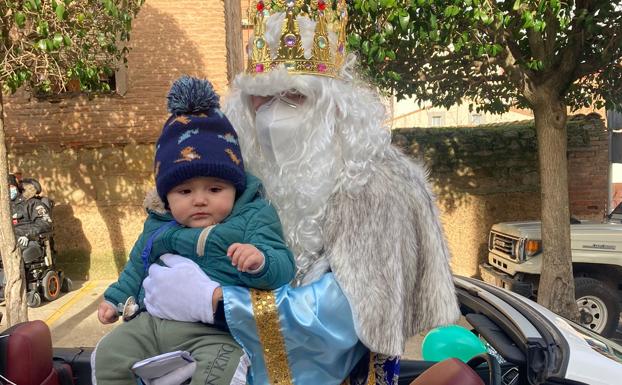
x=300, y=187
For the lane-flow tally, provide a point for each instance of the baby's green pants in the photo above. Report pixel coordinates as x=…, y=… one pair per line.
x=215, y=351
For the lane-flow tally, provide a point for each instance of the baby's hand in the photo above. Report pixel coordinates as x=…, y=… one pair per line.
x=106, y=313
x=246, y=257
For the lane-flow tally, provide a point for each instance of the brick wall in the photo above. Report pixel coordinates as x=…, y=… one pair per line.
x=588, y=168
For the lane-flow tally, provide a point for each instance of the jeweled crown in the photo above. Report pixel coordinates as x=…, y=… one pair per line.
x=330, y=16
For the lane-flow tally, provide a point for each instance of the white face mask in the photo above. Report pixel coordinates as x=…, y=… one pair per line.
x=276, y=123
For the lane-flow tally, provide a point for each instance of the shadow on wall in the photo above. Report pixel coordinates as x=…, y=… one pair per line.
x=93, y=154
x=482, y=160
x=71, y=244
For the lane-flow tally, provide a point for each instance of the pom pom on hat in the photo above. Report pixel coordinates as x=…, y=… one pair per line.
x=190, y=95
x=197, y=139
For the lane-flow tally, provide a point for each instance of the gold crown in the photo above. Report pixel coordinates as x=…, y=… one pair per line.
x=329, y=15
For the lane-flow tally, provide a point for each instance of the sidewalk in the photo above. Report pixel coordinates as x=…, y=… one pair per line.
x=72, y=318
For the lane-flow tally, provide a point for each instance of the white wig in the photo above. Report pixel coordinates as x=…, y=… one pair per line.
x=342, y=134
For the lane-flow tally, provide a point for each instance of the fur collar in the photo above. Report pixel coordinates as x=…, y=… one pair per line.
x=153, y=202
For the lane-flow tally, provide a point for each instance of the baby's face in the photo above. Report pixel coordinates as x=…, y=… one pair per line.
x=201, y=201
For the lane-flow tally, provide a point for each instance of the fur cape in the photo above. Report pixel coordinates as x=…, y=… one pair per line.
x=386, y=247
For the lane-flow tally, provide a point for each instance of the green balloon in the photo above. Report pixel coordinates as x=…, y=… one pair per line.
x=451, y=341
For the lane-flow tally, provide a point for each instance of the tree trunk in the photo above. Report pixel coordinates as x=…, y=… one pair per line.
x=15, y=290
x=233, y=37
x=556, y=287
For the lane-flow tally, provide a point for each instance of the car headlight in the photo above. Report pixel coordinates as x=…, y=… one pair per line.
x=533, y=247
x=525, y=248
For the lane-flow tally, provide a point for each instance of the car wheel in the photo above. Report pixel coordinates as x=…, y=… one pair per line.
x=33, y=299
x=51, y=285
x=598, y=307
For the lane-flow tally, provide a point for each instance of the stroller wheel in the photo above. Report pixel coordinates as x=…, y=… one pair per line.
x=33, y=299
x=67, y=285
x=51, y=285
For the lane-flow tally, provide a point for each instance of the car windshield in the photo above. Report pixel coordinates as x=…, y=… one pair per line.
x=599, y=343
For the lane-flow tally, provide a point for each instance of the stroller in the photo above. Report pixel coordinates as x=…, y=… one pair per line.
x=43, y=279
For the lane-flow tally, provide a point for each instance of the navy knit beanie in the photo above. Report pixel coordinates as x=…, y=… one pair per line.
x=197, y=139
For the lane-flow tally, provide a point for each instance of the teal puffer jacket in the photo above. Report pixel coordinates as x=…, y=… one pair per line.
x=253, y=220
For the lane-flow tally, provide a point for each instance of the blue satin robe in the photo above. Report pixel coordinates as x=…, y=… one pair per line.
x=302, y=336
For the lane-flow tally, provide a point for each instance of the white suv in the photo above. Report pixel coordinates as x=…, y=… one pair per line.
x=515, y=262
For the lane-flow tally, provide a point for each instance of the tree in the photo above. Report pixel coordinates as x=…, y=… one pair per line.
x=51, y=47
x=546, y=55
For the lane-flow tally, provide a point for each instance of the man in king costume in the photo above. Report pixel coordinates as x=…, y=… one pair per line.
x=351, y=204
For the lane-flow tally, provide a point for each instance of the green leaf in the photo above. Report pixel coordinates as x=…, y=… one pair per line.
x=67, y=41
x=60, y=11
x=404, y=21
x=354, y=40
x=495, y=49
x=516, y=6
x=380, y=55
x=528, y=20
x=373, y=5
x=388, y=3
x=41, y=44
x=57, y=40
x=451, y=11
x=394, y=75
x=433, y=22
x=20, y=19
x=539, y=25
x=373, y=50
x=365, y=47
x=42, y=28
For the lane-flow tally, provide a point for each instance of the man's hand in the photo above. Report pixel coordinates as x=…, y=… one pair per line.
x=106, y=313
x=246, y=257
x=179, y=291
x=23, y=241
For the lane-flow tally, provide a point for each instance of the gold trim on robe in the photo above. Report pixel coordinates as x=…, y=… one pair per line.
x=269, y=330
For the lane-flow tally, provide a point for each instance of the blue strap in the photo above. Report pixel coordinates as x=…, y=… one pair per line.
x=147, y=250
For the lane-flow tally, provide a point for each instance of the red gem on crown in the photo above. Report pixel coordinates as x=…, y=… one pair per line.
x=260, y=6
x=321, y=5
